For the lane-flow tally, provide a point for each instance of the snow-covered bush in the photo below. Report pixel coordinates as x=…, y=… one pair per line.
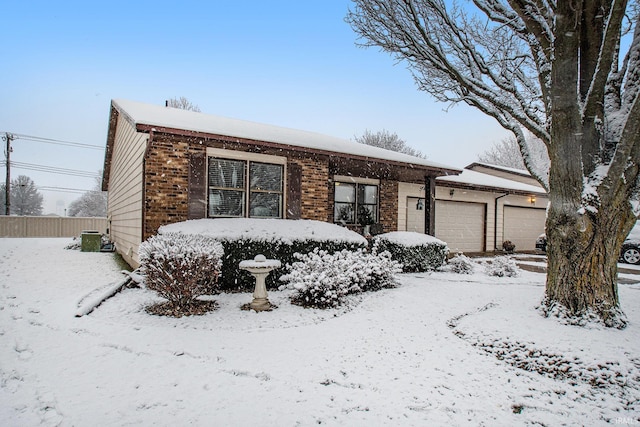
x=502, y=266
x=181, y=267
x=415, y=251
x=320, y=279
x=244, y=238
x=460, y=264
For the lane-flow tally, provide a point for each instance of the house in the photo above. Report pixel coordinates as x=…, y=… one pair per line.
x=164, y=165
x=477, y=210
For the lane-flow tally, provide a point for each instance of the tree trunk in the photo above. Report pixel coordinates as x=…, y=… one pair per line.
x=585, y=229
x=582, y=274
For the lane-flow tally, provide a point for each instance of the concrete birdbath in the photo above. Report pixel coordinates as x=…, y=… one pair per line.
x=260, y=267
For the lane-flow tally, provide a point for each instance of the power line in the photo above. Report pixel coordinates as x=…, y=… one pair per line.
x=67, y=190
x=57, y=141
x=52, y=169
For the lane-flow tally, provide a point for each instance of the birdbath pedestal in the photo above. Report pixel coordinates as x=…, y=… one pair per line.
x=260, y=267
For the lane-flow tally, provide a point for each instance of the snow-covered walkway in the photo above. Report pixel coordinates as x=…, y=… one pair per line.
x=441, y=349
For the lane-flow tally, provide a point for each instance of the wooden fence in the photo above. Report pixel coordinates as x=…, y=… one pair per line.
x=49, y=226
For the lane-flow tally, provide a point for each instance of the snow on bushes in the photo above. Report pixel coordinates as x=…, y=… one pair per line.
x=181, y=267
x=415, y=251
x=502, y=266
x=460, y=264
x=322, y=280
x=244, y=238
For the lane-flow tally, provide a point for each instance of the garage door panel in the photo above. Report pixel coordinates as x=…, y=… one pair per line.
x=522, y=226
x=461, y=225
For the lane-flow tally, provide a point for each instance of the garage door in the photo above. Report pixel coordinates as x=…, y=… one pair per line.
x=461, y=225
x=523, y=226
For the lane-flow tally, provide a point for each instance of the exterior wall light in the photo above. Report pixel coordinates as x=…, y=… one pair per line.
x=420, y=204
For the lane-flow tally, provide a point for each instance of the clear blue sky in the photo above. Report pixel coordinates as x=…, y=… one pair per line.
x=282, y=62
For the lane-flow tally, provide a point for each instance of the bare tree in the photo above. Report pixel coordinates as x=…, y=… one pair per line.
x=503, y=153
x=559, y=71
x=388, y=140
x=25, y=198
x=183, y=104
x=92, y=203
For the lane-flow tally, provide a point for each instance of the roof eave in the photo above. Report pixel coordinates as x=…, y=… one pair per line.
x=433, y=170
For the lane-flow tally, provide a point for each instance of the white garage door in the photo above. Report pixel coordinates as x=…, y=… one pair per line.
x=523, y=226
x=461, y=225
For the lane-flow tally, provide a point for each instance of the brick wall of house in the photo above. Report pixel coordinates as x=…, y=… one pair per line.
x=315, y=188
x=389, y=205
x=166, y=181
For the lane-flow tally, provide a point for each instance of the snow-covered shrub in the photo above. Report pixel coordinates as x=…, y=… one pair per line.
x=321, y=279
x=502, y=266
x=508, y=246
x=244, y=238
x=181, y=267
x=415, y=251
x=460, y=264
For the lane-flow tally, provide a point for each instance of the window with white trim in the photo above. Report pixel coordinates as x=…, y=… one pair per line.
x=245, y=188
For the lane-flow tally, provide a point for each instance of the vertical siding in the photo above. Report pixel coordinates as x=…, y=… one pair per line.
x=405, y=190
x=49, y=226
x=125, y=202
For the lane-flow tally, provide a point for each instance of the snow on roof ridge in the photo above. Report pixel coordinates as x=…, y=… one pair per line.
x=471, y=177
x=156, y=115
x=499, y=167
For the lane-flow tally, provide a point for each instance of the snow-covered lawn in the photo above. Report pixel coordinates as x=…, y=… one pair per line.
x=441, y=349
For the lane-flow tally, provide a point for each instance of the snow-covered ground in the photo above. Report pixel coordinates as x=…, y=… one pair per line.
x=441, y=349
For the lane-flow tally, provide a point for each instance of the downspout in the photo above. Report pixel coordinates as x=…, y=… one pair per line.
x=495, y=221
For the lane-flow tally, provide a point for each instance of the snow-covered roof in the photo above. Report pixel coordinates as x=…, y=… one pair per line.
x=473, y=178
x=502, y=168
x=174, y=118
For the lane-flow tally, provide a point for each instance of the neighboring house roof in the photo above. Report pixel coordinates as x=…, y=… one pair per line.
x=515, y=171
x=483, y=181
x=147, y=117
x=519, y=175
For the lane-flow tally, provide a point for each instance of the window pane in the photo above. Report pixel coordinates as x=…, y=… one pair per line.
x=226, y=203
x=367, y=214
x=266, y=205
x=265, y=177
x=368, y=194
x=345, y=192
x=226, y=173
x=343, y=213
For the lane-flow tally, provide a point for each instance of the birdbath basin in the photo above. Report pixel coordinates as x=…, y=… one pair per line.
x=260, y=267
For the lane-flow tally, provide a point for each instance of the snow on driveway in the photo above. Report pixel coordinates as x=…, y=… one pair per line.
x=441, y=349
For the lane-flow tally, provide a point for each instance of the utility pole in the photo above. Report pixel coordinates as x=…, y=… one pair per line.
x=8, y=138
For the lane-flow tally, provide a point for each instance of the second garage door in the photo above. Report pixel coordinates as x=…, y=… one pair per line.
x=461, y=225
x=523, y=226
